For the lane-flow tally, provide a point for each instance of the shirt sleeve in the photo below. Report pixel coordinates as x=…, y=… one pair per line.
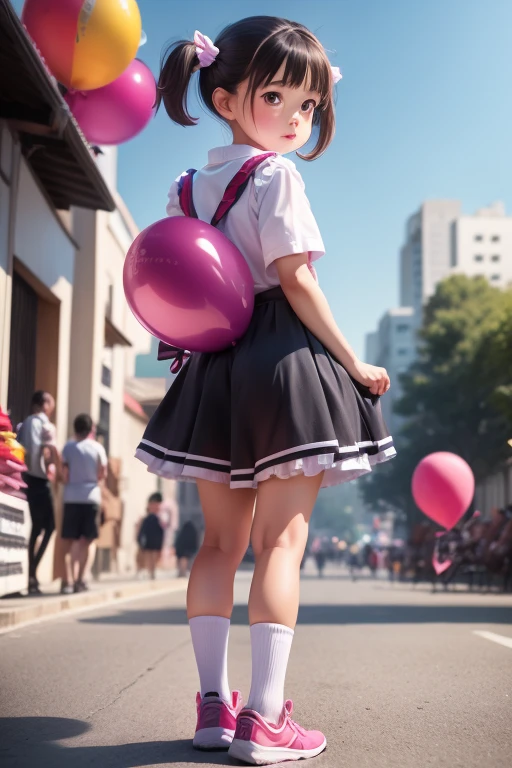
x=285, y=220
x=173, y=207
x=65, y=454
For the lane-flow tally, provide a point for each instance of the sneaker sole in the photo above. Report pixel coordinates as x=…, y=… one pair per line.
x=255, y=754
x=213, y=738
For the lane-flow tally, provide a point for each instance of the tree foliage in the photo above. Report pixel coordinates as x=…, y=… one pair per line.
x=457, y=396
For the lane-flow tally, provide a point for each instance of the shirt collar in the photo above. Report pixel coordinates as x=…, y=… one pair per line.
x=233, y=152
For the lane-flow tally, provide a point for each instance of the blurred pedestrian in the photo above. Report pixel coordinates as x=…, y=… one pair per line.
x=319, y=553
x=151, y=535
x=186, y=547
x=84, y=467
x=354, y=561
x=37, y=436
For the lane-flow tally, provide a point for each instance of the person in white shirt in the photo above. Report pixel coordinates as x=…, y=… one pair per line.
x=33, y=435
x=84, y=467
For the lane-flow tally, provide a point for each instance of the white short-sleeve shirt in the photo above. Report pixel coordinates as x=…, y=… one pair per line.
x=83, y=458
x=272, y=218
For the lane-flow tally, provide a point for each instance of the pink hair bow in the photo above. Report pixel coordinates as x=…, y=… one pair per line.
x=205, y=49
x=336, y=75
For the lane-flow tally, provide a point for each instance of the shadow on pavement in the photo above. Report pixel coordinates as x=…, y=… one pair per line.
x=333, y=614
x=30, y=741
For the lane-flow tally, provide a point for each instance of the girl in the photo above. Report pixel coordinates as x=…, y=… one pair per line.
x=150, y=537
x=262, y=426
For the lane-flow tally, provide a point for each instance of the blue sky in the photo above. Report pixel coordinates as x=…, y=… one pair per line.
x=423, y=111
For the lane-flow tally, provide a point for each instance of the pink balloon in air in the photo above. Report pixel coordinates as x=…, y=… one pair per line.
x=189, y=285
x=118, y=111
x=443, y=486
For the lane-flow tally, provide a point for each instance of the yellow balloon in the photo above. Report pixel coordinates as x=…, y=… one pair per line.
x=108, y=36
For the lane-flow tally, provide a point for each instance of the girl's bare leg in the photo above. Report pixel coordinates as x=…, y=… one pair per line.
x=279, y=537
x=228, y=518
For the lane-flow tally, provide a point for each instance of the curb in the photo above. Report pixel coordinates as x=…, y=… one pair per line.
x=64, y=604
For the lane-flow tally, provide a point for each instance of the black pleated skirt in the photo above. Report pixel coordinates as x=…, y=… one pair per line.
x=276, y=403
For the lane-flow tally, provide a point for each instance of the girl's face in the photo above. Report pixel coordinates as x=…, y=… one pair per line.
x=281, y=116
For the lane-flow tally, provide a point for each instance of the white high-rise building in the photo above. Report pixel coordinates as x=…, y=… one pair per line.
x=426, y=256
x=441, y=241
x=482, y=245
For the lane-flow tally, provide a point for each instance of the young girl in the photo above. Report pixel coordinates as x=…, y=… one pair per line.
x=263, y=425
x=150, y=537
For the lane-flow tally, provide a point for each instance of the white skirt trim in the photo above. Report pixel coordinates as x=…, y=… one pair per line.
x=335, y=470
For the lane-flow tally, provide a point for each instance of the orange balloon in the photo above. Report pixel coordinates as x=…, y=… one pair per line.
x=86, y=43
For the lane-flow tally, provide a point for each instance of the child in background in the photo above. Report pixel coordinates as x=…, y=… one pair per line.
x=151, y=535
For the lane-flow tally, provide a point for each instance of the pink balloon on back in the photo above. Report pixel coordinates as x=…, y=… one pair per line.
x=189, y=285
x=118, y=111
x=443, y=486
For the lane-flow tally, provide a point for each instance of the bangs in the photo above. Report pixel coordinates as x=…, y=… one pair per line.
x=304, y=59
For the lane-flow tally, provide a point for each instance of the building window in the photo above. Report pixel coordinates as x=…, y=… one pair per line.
x=402, y=328
x=110, y=302
x=495, y=239
x=106, y=376
x=479, y=238
x=479, y=257
x=495, y=257
x=103, y=426
x=495, y=278
x=402, y=351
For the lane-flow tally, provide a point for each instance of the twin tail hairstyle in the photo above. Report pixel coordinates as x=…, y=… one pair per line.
x=254, y=48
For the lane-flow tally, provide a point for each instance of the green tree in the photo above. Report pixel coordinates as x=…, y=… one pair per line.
x=457, y=396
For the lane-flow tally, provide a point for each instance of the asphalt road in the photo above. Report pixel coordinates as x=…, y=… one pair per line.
x=394, y=676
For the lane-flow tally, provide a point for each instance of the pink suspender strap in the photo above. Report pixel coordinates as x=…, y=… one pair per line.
x=185, y=194
x=237, y=185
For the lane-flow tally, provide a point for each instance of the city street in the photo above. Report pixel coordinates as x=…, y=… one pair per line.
x=395, y=676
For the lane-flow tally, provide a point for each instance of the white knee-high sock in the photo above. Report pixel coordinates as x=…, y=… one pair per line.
x=270, y=645
x=210, y=640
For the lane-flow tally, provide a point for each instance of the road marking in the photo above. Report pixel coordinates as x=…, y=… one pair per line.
x=500, y=639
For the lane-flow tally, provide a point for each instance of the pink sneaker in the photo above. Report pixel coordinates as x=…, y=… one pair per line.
x=216, y=721
x=259, y=743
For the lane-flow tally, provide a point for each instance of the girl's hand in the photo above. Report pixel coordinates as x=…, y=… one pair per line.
x=371, y=376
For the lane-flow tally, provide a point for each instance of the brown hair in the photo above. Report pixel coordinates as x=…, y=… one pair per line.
x=253, y=48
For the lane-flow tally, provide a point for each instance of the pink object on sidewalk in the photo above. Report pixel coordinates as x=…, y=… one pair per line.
x=216, y=721
x=257, y=742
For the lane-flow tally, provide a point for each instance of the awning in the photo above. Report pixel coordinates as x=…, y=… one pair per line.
x=114, y=336
x=51, y=141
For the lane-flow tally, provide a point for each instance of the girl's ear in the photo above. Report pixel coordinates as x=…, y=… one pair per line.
x=223, y=101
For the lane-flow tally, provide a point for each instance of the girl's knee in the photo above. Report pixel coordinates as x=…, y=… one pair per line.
x=231, y=547
x=292, y=538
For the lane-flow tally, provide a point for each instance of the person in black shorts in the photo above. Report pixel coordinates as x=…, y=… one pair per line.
x=38, y=491
x=84, y=466
x=151, y=534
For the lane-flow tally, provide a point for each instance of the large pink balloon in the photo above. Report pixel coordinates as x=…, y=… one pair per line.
x=188, y=285
x=118, y=111
x=443, y=486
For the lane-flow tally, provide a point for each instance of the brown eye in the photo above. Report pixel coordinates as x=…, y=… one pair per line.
x=308, y=106
x=272, y=98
